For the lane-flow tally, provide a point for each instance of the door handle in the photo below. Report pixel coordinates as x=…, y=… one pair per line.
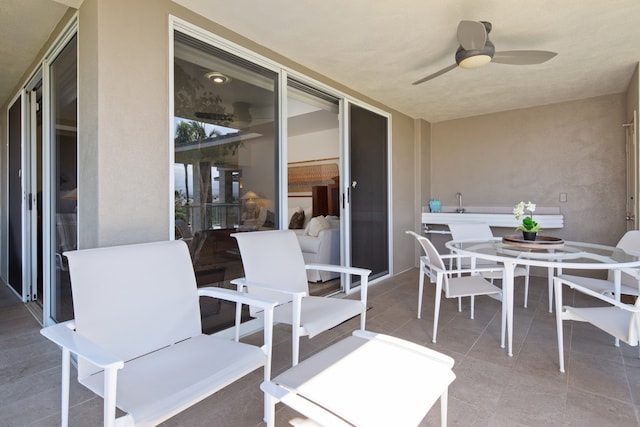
x=353, y=184
x=630, y=218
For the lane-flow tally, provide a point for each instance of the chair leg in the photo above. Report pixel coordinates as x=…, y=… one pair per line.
x=443, y=407
x=472, y=306
x=110, y=378
x=295, y=330
x=526, y=288
x=436, y=309
x=459, y=304
x=66, y=372
x=558, y=289
x=421, y=287
x=269, y=410
x=503, y=328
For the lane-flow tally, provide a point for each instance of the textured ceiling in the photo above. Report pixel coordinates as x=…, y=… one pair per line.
x=379, y=47
x=25, y=25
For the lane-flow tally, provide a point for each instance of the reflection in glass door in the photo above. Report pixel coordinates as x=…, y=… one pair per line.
x=313, y=151
x=63, y=189
x=225, y=161
x=15, y=197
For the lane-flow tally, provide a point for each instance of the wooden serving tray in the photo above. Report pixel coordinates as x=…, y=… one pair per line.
x=541, y=242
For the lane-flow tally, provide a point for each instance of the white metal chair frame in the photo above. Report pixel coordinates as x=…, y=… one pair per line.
x=274, y=268
x=456, y=283
x=617, y=319
x=149, y=358
x=477, y=230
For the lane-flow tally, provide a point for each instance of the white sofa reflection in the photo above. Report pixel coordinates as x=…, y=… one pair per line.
x=320, y=244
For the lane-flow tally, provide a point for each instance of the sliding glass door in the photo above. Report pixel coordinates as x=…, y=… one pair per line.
x=62, y=157
x=225, y=163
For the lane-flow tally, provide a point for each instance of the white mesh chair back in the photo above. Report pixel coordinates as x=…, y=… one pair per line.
x=273, y=258
x=471, y=231
x=629, y=242
x=112, y=286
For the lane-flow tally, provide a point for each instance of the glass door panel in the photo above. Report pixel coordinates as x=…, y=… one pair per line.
x=64, y=176
x=313, y=150
x=15, y=196
x=225, y=161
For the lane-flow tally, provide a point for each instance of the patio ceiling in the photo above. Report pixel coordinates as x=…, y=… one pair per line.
x=380, y=48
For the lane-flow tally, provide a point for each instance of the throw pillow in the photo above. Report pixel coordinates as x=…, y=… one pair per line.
x=297, y=221
x=316, y=225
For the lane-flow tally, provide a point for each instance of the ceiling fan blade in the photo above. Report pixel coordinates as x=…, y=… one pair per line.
x=522, y=57
x=436, y=74
x=472, y=35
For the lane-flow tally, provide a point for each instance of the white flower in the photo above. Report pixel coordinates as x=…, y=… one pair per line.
x=518, y=211
x=531, y=207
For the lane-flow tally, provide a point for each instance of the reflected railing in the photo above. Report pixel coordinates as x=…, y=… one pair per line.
x=212, y=216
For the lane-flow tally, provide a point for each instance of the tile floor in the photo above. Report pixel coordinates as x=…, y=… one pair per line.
x=601, y=386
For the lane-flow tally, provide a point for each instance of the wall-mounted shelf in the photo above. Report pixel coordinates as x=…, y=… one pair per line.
x=546, y=221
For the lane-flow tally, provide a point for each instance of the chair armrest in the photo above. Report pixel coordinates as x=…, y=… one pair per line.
x=465, y=270
x=437, y=356
x=242, y=282
x=562, y=280
x=339, y=269
x=65, y=336
x=235, y=296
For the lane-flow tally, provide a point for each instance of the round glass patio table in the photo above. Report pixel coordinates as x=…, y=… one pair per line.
x=568, y=255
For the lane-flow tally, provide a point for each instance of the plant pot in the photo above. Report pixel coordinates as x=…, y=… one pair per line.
x=529, y=235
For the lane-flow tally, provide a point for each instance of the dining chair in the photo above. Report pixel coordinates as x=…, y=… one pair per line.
x=274, y=268
x=478, y=230
x=455, y=283
x=629, y=277
x=618, y=319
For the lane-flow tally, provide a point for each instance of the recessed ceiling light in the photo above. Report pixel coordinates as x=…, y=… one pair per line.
x=218, y=77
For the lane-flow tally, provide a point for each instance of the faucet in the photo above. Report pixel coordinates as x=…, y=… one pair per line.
x=460, y=208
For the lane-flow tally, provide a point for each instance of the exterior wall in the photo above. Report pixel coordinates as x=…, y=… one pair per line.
x=534, y=154
x=124, y=122
x=124, y=108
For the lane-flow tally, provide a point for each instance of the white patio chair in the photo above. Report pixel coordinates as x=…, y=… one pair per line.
x=629, y=278
x=366, y=379
x=138, y=336
x=460, y=282
x=477, y=230
x=274, y=268
x=616, y=318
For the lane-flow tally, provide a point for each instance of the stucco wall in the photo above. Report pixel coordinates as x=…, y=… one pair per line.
x=124, y=116
x=535, y=154
x=124, y=124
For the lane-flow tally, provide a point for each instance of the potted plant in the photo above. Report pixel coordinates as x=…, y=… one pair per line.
x=528, y=226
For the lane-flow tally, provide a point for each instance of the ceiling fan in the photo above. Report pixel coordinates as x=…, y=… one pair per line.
x=476, y=50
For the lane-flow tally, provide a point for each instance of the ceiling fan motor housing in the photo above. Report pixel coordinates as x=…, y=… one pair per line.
x=475, y=58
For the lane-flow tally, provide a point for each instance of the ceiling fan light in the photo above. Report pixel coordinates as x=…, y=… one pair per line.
x=217, y=77
x=475, y=61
